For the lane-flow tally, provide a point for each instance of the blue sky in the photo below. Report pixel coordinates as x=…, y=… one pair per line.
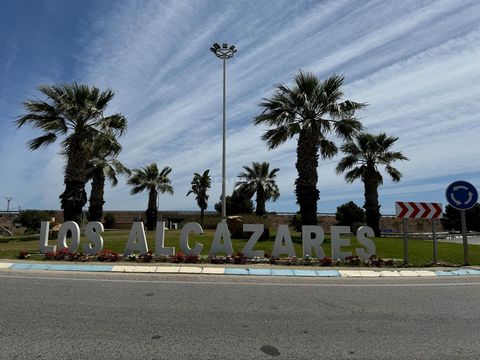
x=416, y=63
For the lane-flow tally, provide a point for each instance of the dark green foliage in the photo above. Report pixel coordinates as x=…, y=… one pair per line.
x=451, y=218
x=109, y=220
x=350, y=214
x=238, y=203
x=296, y=222
x=31, y=219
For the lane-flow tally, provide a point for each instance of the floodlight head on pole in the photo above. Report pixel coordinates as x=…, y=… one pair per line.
x=223, y=52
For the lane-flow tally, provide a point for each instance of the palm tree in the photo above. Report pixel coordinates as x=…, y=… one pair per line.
x=76, y=113
x=103, y=165
x=313, y=110
x=150, y=179
x=258, y=179
x=362, y=157
x=200, y=185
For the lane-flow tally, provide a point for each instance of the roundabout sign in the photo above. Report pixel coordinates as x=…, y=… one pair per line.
x=461, y=195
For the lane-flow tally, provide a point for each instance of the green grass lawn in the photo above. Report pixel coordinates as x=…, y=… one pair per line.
x=420, y=251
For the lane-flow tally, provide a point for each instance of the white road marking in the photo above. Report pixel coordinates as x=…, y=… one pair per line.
x=189, y=282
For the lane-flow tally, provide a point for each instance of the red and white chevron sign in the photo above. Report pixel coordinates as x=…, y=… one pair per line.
x=418, y=210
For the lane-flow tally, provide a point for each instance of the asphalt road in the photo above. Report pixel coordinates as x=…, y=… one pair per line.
x=133, y=316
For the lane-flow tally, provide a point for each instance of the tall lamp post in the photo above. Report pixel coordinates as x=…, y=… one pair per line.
x=224, y=52
x=8, y=202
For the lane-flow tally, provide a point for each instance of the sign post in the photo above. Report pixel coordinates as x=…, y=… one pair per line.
x=462, y=195
x=405, y=241
x=418, y=210
x=434, y=238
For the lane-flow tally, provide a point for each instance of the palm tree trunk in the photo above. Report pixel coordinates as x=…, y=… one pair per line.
x=260, y=209
x=202, y=215
x=306, y=183
x=372, y=208
x=95, y=211
x=74, y=197
x=152, y=210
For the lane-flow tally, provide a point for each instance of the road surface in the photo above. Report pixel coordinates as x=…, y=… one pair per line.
x=135, y=316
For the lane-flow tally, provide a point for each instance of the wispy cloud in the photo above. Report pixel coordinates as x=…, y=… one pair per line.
x=415, y=63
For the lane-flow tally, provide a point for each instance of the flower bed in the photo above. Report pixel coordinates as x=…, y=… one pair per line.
x=237, y=258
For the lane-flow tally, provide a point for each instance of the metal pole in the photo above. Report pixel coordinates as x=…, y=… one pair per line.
x=224, y=155
x=8, y=202
x=464, y=235
x=405, y=241
x=434, y=237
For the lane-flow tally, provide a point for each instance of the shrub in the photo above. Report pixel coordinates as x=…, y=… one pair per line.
x=109, y=220
x=353, y=260
x=273, y=260
x=350, y=214
x=238, y=203
x=50, y=255
x=326, y=261
x=77, y=256
x=291, y=260
x=24, y=255
x=296, y=222
x=239, y=258
x=179, y=257
x=132, y=257
x=216, y=259
x=192, y=259
x=148, y=257
x=108, y=256
x=31, y=219
x=61, y=254
x=163, y=258
x=451, y=219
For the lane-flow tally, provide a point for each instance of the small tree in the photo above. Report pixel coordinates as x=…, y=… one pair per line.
x=350, y=214
x=109, y=220
x=32, y=219
x=239, y=203
x=451, y=218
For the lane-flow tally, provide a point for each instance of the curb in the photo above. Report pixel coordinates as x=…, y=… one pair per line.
x=205, y=270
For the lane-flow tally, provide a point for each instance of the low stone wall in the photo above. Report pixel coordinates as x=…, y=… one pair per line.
x=125, y=218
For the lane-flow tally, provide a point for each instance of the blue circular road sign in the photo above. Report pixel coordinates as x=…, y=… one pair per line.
x=461, y=195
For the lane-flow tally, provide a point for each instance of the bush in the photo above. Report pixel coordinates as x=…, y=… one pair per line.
x=451, y=218
x=179, y=257
x=77, y=256
x=108, y=256
x=237, y=203
x=24, y=255
x=31, y=219
x=296, y=222
x=326, y=261
x=148, y=257
x=109, y=220
x=239, y=258
x=216, y=260
x=350, y=214
x=353, y=260
x=192, y=259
